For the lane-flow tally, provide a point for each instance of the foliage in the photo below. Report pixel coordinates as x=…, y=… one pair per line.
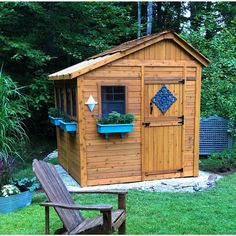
x=13, y=110
x=40, y=38
x=208, y=212
x=6, y=170
x=8, y=190
x=54, y=112
x=226, y=160
x=65, y=117
x=219, y=84
x=116, y=118
x=26, y=184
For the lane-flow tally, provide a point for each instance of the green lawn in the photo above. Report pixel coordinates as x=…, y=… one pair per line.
x=210, y=212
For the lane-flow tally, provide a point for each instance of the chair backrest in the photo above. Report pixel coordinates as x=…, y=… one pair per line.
x=57, y=192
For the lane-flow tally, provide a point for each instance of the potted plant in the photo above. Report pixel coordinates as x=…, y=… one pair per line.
x=67, y=124
x=17, y=194
x=115, y=123
x=54, y=116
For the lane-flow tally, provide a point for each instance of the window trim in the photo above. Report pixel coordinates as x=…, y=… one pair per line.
x=100, y=84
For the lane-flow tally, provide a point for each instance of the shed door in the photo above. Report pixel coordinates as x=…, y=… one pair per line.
x=163, y=126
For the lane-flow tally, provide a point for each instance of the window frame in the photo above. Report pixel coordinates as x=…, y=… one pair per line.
x=99, y=85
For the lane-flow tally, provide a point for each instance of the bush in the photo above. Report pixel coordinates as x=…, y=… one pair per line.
x=26, y=184
x=116, y=118
x=226, y=160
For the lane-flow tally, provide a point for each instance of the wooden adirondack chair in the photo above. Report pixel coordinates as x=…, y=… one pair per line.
x=73, y=222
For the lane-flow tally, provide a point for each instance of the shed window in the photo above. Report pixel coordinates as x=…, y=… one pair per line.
x=74, y=112
x=57, y=90
x=113, y=99
x=68, y=101
x=61, y=100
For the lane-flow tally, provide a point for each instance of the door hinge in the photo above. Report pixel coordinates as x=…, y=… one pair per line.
x=182, y=120
x=182, y=81
x=146, y=124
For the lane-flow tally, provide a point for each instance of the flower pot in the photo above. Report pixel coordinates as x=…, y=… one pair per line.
x=13, y=202
x=107, y=129
x=55, y=120
x=68, y=126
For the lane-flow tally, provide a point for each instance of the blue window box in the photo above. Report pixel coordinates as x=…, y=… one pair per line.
x=55, y=120
x=13, y=202
x=122, y=129
x=68, y=126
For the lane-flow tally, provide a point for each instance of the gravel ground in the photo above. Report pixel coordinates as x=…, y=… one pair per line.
x=204, y=181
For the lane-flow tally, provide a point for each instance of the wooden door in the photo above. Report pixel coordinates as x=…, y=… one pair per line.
x=163, y=126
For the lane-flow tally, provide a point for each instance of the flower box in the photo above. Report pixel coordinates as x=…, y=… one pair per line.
x=107, y=129
x=55, y=120
x=13, y=202
x=68, y=126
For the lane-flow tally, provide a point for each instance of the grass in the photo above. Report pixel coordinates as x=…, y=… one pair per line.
x=209, y=212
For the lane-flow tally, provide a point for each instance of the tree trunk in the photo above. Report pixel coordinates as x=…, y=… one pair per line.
x=149, y=18
x=139, y=19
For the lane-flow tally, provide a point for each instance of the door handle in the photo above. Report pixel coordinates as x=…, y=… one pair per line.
x=151, y=108
x=146, y=123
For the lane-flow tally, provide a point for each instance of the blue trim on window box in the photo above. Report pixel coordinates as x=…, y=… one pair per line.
x=13, y=202
x=55, y=120
x=68, y=126
x=107, y=129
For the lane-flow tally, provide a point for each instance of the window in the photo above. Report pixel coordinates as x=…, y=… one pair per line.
x=62, y=100
x=68, y=101
x=73, y=91
x=57, y=98
x=113, y=99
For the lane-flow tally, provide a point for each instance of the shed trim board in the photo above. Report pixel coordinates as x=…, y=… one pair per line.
x=165, y=148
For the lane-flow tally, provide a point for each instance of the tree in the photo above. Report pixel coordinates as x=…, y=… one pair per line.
x=38, y=38
x=139, y=19
x=149, y=17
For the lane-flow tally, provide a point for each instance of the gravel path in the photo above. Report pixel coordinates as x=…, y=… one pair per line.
x=204, y=181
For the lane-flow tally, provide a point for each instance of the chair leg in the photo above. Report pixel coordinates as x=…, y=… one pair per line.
x=122, y=228
x=60, y=231
x=107, y=222
x=47, y=230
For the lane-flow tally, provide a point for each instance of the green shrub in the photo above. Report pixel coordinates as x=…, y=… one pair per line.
x=116, y=118
x=226, y=159
x=54, y=112
x=26, y=184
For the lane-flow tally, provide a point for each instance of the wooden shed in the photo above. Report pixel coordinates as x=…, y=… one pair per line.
x=158, y=79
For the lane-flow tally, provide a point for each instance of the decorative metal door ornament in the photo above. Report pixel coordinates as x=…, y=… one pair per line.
x=164, y=99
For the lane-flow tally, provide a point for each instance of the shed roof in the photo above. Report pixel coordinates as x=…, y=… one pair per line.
x=125, y=49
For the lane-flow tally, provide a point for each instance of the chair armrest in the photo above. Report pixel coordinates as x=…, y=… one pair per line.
x=121, y=195
x=99, y=207
x=99, y=191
